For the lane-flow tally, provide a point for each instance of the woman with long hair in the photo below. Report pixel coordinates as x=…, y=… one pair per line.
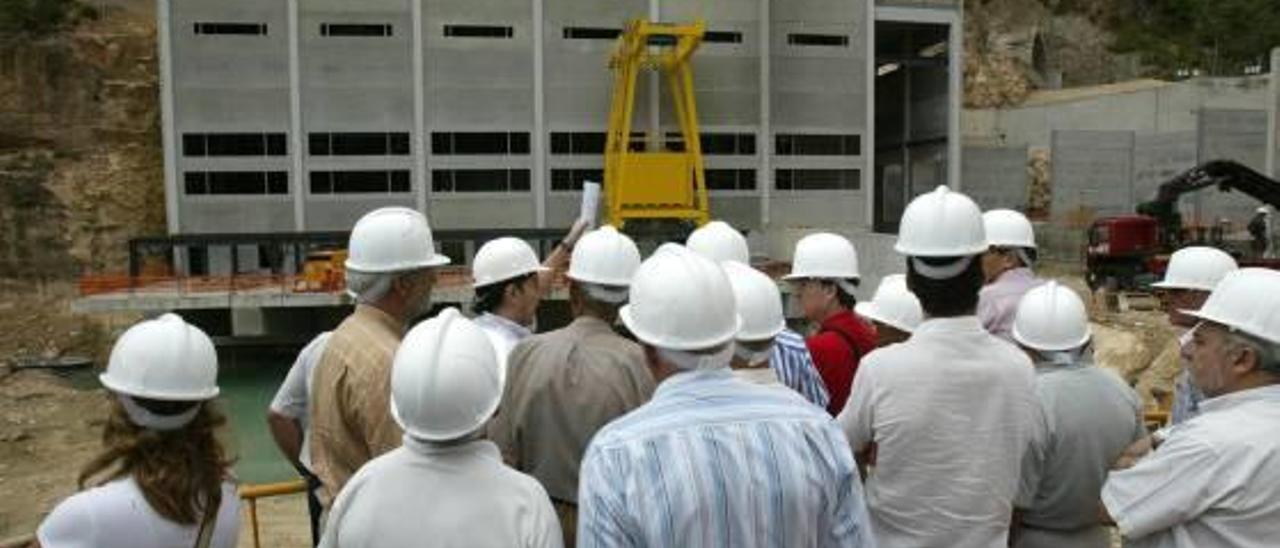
x=162, y=479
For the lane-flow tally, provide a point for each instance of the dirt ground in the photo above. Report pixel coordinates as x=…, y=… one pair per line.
x=49, y=430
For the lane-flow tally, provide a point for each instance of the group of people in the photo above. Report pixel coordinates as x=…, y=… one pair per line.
x=957, y=407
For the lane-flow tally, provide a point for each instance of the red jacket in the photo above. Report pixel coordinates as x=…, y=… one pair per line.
x=837, y=347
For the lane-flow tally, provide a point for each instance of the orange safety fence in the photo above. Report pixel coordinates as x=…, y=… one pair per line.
x=103, y=284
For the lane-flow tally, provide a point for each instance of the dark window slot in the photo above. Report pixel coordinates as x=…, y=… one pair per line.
x=566, y=180
x=722, y=37
x=818, y=179
x=829, y=40
x=479, y=143
x=355, y=29
x=358, y=144
x=479, y=31
x=248, y=29
x=193, y=144
x=577, y=143
x=817, y=145
x=591, y=33
x=235, y=182
x=730, y=179
x=480, y=180
x=360, y=181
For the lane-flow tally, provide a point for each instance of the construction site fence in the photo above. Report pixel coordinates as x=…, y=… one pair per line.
x=104, y=284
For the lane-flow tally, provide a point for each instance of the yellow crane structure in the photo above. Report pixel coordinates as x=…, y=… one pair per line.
x=650, y=182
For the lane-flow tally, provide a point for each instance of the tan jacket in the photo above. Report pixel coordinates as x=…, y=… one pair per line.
x=562, y=387
x=350, y=415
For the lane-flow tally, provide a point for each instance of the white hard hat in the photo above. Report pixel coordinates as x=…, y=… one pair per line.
x=893, y=305
x=680, y=300
x=1051, y=318
x=446, y=379
x=718, y=241
x=1246, y=300
x=1008, y=228
x=1198, y=268
x=824, y=255
x=1263, y=210
x=392, y=239
x=163, y=359
x=604, y=256
x=941, y=223
x=759, y=302
x=503, y=259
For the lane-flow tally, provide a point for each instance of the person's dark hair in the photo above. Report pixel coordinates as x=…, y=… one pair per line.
x=847, y=300
x=488, y=298
x=180, y=472
x=947, y=298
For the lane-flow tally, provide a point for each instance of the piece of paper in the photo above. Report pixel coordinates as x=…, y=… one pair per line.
x=590, y=203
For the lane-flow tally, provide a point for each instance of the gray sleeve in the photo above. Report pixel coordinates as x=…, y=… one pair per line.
x=1033, y=457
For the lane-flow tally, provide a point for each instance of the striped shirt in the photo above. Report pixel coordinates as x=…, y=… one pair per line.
x=715, y=461
x=794, y=366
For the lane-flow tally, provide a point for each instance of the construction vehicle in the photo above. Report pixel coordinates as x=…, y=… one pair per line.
x=322, y=272
x=1131, y=251
x=651, y=180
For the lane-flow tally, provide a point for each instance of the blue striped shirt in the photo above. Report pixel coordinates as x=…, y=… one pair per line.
x=715, y=461
x=794, y=366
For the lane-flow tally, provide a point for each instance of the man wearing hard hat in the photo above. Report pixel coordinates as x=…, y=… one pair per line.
x=566, y=384
x=765, y=349
x=1214, y=480
x=1087, y=416
x=1006, y=266
x=446, y=485
x=509, y=283
x=824, y=273
x=948, y=412
x=712, y=460
x=390, y=271
x=1191, y=275
x=893, y=309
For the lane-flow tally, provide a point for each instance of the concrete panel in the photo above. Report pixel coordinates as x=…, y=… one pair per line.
x=1158, y=158
x=817, y=208
x=1239, y=135
x=995, y=177
x=488, y=211
x=240, y=214
x=743, y=212
x=1091, y=172
x=341, y=213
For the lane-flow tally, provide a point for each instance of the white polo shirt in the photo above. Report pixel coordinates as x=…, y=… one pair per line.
x=1214, y=482
x=951, y=412
x=292, y=397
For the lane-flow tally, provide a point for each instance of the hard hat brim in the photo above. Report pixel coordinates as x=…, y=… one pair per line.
x=1229, y=324
x=657, y=341
x=512, y=276
x=872, y=312
x=1180, y=285
x=122, y=388
x=436, y=260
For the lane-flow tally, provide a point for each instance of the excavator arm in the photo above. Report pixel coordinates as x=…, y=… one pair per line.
x=1227, y=175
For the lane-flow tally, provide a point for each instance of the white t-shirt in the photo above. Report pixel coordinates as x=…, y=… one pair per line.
x=457, y=496
x=295, y=391
x=951, y=413
x=1214, y=482
x=116, y=515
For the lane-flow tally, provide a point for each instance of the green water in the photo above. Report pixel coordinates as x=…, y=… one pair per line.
x=249, y=378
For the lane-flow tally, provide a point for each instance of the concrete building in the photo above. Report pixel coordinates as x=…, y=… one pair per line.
x=300, y=115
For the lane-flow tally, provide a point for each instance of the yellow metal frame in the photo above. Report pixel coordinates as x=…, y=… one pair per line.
x=654, y=184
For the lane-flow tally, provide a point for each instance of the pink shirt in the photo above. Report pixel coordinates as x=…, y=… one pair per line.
x=998, y=300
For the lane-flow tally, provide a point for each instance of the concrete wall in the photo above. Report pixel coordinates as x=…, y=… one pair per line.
x=1092, y=170
x=996, y=177
x=243, y=84
x=1152, y=108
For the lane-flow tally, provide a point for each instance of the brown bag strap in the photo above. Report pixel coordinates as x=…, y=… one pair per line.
x=207, y=525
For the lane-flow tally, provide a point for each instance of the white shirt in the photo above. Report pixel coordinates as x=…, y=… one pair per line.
x=503, y=333
x=459, y=496
x=116, y=515
x=764, y=376
x=295, y=391
x=950, y=411
x=1214, y=482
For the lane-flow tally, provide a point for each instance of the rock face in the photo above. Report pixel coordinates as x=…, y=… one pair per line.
x=1015, y=46
x=80, y=162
